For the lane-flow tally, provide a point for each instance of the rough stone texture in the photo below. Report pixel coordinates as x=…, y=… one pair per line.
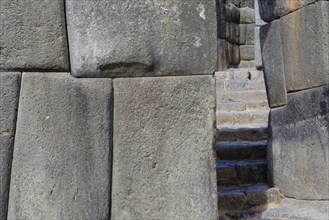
x=271, y=49
x=305, y=46
x=247, y=16
x=298, y=154
x=222, y=54
x=163, y=156
x=247, y=52
x=232, y=13
x=258, y=49
x=33, y=35
x=298, y=209
x=246, y=34
x=9, y=92
x=61, y=164
x=221, y=22
x=120, y=38
x=273, y=9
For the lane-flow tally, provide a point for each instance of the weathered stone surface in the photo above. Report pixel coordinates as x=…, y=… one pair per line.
x=233, y=33
x=271, y=49
x=9, y=92
x=232, y=13
x=33, y=35
x=247, y=16
x=273, y=9
x=118, y=38
x=299, y=149
x=163, y=157
x=258, y=49
x=247, y=52
x=305, y=46
x=221, y=20
x=246, y=34
x=61, y=162
x=222, y=54
x=298, y=209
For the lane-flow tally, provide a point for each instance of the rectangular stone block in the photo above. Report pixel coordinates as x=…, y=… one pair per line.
x=222, y=54
x=163, y=156
x=232, y=13
x=271, y=49
x=246, y=34
x=33, y=35
x=247, y=52
x=258, y=49
x=274, y=9
x=120, y=38
x=9, y=93
x=247, y=15
x=62, y=155
x=298, y=148
x=233, y=33
x=305, y=46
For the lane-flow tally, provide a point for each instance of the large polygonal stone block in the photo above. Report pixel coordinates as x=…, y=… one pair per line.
x=163, y=157
x=274, y=9
x=298, y=148
x=33, y=35
x=9, y=93
x=305, y=46
x=271, y=50
x=61, y=163
x=121, y=38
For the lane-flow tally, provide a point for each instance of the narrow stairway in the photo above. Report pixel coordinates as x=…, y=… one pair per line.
x=243, y=192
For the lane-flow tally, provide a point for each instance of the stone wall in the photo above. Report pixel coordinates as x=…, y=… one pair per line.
x=295, y=49
x=115, y=114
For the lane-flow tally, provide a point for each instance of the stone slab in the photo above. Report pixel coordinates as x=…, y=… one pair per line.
x=61, y=163
x=298, y=148
x=305, y=46
x=247, y=15
x=33, y=36
x=298, y=209
x=247, y=52
x=9, y=93
x=120, y=38
x=271, y=49
x=246, y=34
x=274, y=9
x=258, y=49
x=163, y=156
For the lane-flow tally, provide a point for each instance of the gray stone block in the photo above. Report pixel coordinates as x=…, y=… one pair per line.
x=118, y=38
x=258, y=49
x=33, y=35
x=274, y=9
x=271, y=49
x=163, y=156
x=305, y=46
x=246, y=34
x=233, y=33
x=222, y=54
x=232, y=13
x=298, y=148
x=9, y=92
x=247, y=16
x=61, y=163
x=247, y=52
x=221, y=20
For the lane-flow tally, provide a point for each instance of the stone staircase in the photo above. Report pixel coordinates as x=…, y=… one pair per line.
x=241, y=98
x=243, y=192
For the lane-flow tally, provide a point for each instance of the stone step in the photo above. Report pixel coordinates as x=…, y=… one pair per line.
x=241, y=134
x=243, y=73
x=242, y=106
x=234, y=200
x=241, y=150
x=242, y=118
x=231, y=173
x=238, y=96
x=240, y=85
